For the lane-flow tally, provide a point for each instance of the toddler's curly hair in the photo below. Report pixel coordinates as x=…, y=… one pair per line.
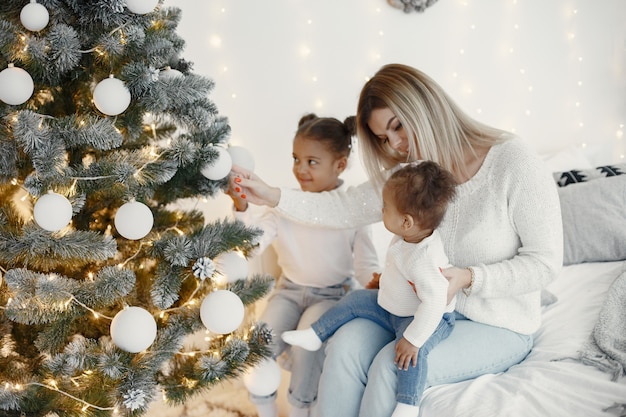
x=423, y=191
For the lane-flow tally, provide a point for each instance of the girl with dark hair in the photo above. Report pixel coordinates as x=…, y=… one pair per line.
x=318, y=265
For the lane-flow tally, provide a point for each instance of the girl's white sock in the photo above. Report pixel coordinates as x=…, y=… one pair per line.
x=267, y=409
x=406, y=410
x=299, y=412
x=306, y=339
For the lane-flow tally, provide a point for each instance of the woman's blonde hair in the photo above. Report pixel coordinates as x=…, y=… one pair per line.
x=433, y=122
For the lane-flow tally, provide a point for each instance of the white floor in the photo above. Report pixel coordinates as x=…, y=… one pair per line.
x=229, y=399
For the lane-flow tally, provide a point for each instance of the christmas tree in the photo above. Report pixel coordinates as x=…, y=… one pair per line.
x=104, y=132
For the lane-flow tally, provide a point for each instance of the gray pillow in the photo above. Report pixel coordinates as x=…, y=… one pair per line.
x=594, y=220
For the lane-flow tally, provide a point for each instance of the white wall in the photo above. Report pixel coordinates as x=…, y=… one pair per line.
x=552, y=71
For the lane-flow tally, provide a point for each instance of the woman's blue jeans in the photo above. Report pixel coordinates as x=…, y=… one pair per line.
x=359, y=376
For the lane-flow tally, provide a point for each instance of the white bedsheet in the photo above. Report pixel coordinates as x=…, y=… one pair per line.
x=546, y=384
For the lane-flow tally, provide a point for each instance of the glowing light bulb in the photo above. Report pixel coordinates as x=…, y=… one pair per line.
x=305, y=51
x=215, y=41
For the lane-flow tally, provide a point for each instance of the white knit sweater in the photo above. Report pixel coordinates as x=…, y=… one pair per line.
x=412, y=285
x=505, y=223
x=313, y=256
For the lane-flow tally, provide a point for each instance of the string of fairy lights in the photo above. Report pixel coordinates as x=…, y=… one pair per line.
x=455, y=74
x=525, y=95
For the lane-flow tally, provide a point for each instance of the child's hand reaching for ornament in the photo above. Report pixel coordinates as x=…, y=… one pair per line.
x=252, y=188
x=234, y=191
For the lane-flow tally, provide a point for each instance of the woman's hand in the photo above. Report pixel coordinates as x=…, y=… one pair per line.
x=405, y=354
x=252, y=188
x=458, y=278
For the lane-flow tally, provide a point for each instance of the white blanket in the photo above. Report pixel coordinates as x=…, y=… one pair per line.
x=606, y=348
x=544, y=385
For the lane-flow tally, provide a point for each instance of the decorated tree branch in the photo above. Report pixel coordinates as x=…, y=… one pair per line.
x=104, y=130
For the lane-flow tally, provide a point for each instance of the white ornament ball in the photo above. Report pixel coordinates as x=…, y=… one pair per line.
x=111, y=96
x=141, y=6
x=241, y=156
x=263, y=379
x=222, y=311
x=221, y=166
x=134, y=220
x=52, y=212
x=34, y=16
x=169, y=73
x=232, y=265
x=16, y=85
x=133, y=329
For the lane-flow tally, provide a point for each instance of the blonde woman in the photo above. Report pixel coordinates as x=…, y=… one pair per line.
x=502, y=233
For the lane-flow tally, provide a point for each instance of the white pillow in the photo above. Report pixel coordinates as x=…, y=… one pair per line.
x=575, y=176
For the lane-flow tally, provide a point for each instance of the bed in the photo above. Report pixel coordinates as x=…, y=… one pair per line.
x=556, y=379
x=566, y=374
x=551, y=381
